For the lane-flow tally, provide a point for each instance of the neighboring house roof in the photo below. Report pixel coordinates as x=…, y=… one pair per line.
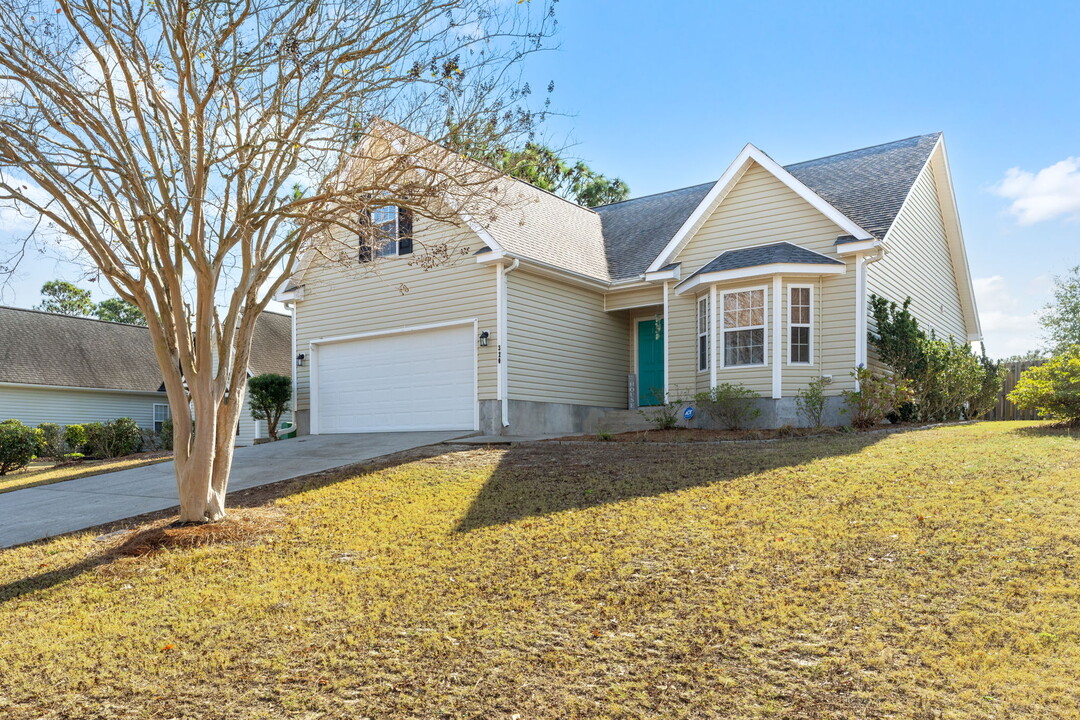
x=782, y=252
x=871, y=184
x=41, y=348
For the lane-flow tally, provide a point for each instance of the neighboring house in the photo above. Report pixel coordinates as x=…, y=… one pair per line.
x=761, y=278
x=66, y=370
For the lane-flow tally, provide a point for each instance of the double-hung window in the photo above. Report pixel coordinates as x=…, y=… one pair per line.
x=390, y=233
x=162, y=412
x=703, y=333
x=744, y=327
x=800, y=325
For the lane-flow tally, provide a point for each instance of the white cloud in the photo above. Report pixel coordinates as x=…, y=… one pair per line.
x=1050, y=193
x=1010, y=321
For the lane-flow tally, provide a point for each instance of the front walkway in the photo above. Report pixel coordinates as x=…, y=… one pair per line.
x=48, y=510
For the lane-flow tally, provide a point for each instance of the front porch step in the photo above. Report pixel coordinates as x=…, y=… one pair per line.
x=620, y=421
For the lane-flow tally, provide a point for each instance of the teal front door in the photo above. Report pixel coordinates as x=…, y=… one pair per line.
x=650, y=362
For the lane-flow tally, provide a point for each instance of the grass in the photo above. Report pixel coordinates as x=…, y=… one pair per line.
x=47, y=473
x=928, y=574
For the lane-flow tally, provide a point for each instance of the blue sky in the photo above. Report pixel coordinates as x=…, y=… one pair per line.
x=665, y=94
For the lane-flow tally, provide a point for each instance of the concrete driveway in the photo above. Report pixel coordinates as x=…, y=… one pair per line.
x=48, y=510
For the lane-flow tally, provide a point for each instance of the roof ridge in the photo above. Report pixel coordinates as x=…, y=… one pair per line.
x=662, y=192
x=868, y=147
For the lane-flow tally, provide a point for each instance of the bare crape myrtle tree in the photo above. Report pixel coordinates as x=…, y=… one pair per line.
x=192, y=153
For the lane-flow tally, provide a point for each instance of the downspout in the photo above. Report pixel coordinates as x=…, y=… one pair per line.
x=502, y=379
x=861, y=262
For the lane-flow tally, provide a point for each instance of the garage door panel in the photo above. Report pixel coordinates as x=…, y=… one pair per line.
x=422, y=380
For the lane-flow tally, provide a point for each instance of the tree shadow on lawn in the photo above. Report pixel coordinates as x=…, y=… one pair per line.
x=1055, y=429
x=148, y=533
x=544, y=478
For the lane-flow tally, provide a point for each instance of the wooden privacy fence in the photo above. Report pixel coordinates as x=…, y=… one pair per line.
x=1005, y=410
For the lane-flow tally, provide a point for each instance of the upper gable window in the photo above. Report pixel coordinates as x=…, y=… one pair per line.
x=392, y=233
x=744, y=327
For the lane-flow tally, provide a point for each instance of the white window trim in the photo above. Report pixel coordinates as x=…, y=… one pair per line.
x=703, y=327
x=723, y=329
x=791, y=324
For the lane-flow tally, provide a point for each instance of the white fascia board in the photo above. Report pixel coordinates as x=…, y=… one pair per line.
x=758, y=271
x=857, y=246
x=727, y=181
x=955, y=234
x=491, y=257
x=542, y=268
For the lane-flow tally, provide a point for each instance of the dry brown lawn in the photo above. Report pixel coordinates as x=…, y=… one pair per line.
x=929, y=574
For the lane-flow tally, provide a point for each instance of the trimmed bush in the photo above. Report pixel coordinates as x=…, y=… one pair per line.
x=115, y=438
x=1052, y=388
x=75, y=437
x=52, y=440
x=731, y=405
x=19, y=445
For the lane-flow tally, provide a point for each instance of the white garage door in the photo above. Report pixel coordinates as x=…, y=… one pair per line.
x=421, y=380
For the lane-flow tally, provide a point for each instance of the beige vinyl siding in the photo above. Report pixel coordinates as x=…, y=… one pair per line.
x=68, y=407
x=760, y=210
x=917, y=263
x=635, y=298
x=359, y=298
x=564, y=347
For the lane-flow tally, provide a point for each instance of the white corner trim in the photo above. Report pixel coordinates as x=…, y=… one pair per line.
x=502, y=340
x=714, y=360
x=727, y=181
x=667, y=373
x=857, y=246
x=760, y=271
x=777, y=377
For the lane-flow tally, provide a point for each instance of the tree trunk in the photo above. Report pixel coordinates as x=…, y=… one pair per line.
x=202, y=471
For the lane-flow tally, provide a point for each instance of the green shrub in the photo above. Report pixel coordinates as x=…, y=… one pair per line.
x=877, y=396
x=664, y=416
x=604, y=435
x=1052, y=388
x=731, y=405
x=52, y=440
x=947, y=380
x=75, y=437
x=269, y=397
x=810, y=402
x=165, y=437
x=19, y=445
x=115, y=438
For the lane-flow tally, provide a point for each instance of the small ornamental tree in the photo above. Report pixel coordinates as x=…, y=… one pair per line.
x=270, y=395
x=1052, y=388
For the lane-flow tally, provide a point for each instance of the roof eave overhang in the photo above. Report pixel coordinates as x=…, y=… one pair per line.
x=674, y=273
x=759, y=271
x=543, y=268
x=858, y=246
x=727, y=181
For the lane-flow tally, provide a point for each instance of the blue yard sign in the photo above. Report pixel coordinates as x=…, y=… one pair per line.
x=688, y=413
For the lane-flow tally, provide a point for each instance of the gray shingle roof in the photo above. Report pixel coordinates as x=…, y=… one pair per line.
x=868, y=185
x=781, y=252
x=636, y=231
x=40, y=348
